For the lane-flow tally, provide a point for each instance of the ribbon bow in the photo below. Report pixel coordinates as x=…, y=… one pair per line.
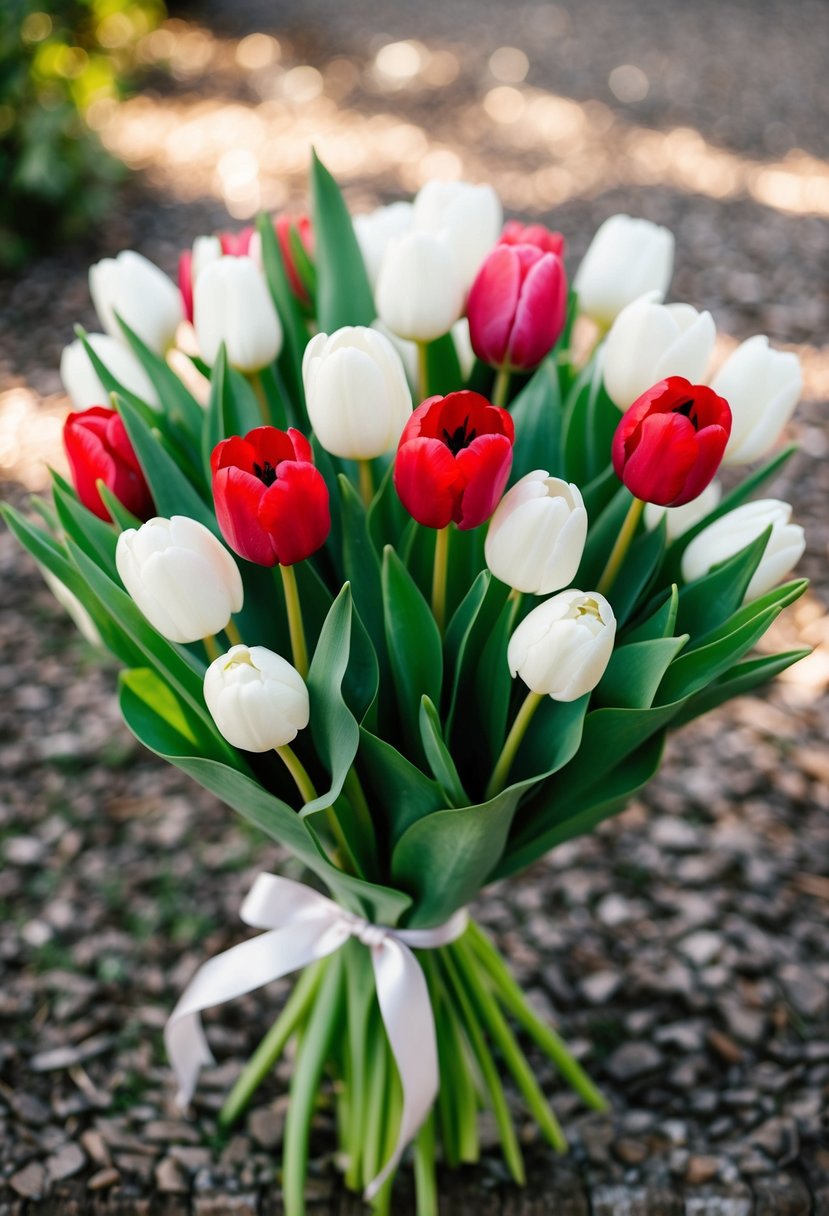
x=305, y=926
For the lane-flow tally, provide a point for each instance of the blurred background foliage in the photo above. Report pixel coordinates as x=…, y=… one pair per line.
x=63, y=64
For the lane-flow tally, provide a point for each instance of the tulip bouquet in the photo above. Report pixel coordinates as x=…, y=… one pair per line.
x=419, y=594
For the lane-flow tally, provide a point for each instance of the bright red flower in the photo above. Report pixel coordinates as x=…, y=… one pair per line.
x=98, y=449
x=516, y=233
x=671, y=441
x=271, y=500
x=517, y=306
x=185, y=282
x=453, y=460
x=302, y=224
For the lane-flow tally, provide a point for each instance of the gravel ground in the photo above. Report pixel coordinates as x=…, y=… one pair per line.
x=682, y=949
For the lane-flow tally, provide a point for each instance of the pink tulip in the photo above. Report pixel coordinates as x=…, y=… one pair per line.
x=517, y=306
x=548, y=241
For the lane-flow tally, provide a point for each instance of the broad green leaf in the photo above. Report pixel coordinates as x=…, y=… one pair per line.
x=387, y=517
x=778, y=597
x=601, y=535
x=333, y=727
x=161, y=718
x=121, y=517
x=635, y=671
x=438, y=757
x=362, y=565
x=551, y=741
x=537, y=414
x=401, y=793
x=294, y=327
x=659, y=623
x=709, y=601
x=97, y=538
x=178, y=403
x=493, y=683
x=637, y=572
x=698, y=667
x=599, y=493
x=272, y=816
x=467, y=635
x=737, y=681
x=443, y=370
x=413, y=642
x=590, y=421
x=343, y=292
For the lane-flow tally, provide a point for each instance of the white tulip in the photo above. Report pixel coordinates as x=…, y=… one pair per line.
x=762, y=386
x=649, y=341
x=730, y=533
x=419, y=291
x=81, y=380
x=463, y=347
x=470, y=216
x=181, y=577
x=232, y=304
x=406, y=350
x=130, y=286
x=374, y=230
x=206, y=250
x=679, y=520
x=626, y=258
x=561, y=649
x=256, y=698
x=73, y=606
x=356, y=392
x=536, y=536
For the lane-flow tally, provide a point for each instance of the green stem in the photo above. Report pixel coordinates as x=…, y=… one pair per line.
x=519, y=728
x=500, y=389
x=297, y=770
x=426, y=1186
x=375, y=1108
x=295, y=626
x=620, y=548
x=457, y=1082
x=439, y=573
x=505, y=1040
x=506, y=1130
x=366, y=477
x=310, y=1060
x=514, y=1001
x=255, y=381
x=423, y=369
x=264, y=1059
x=394, y=1107
x=212, y=647
x=233, y=634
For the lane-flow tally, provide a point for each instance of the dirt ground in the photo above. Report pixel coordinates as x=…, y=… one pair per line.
x=682, y=948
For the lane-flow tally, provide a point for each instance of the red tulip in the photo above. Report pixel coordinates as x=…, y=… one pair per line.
x=517, y=306
x=98, y=449
x=271, y=501
x=185, y=282
x=516, y=233
x=671, y=441
x=236, y=244
x=453, y=460
x=302, y=225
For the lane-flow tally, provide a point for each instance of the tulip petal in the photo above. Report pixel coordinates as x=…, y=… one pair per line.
x=485, y=467
x=294, y=512
x=493, y=301
x=658, y=465
x=540, y=315
x=237, y=495
x=428, y=481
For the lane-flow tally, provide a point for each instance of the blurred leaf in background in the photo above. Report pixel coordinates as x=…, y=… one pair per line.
x=62, y=63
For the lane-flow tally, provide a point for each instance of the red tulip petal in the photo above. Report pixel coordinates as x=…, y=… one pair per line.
x=185, y=283
x=89, y=461
x=485, y=467
x=539, y=318
x=233, y=453
x=427, y=481
x=657, y=468
x=493, y=300
x=294, y=512
x=709, y=453
x=237, y=495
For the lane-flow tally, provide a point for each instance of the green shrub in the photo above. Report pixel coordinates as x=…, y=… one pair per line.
x=58, y=60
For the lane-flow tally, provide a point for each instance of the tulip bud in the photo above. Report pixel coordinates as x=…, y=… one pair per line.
x=237, y=244
x=453, y=460
x=356, y=391
x=762, y=386
x=98, y=449
x=375, y=229
x=73, y=606
x=470, y=216
x=670, y=442
x=463, y=348
x=191, y=263
x=181, y=577
x=626, y=258
x=536, y=536
x=730, y=533
x=517, y=306
x=649, y=341
x=233, y=305
x=81, y=380
x=679, y=520
x=284, y=226
x=419, y=292
x=271, y=501
x=256, y=698
x=561, y=649
x=516, y=233
x=130, y=286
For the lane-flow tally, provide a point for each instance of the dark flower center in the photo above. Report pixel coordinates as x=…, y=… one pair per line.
x=688, y=410
x=265, y=472
x=460, y=437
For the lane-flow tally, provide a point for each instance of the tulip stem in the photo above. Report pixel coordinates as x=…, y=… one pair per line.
x=423, y=369
x=439, y=571
x=366, y=482
x=295, y=626
x=212, y=647
x=233, y=634
x=620, y=548
x=297, y=770
x=519, y=728
x=500, y=389
x=255, y=381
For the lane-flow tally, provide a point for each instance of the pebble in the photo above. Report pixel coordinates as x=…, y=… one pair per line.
x=724, y=1046
x=266, y=1126
x=633, y=1060
x=631, y=1152
x=700, y=1170
x=104, y=1179
x=600, y=986
x=65, y=1163
x=701, y=947
x=808, y=994
x=31, y=1182
x=171, y=1178
x=777, y=1137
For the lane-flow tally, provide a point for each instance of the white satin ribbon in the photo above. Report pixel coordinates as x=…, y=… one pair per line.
x=305, y=926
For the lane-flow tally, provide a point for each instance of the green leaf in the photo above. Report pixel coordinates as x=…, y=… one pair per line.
x=180, y=406
x=413, y=642
x=333, y=726
x=590, y=422
x=294, y=327
x=121, y=517
x=343, y=292
x=778, y=597
x=493, y=683
x=601, y=535
x=737, y=681
x=698, y=667
x=657, y=624
x=708, y=602
x=467, y=635
x=97, y=538
x=272, y=816
x=437, y=755
x=159, y=715
x=443, y=370
x=551, y=741
x=172, y=493
x=231, y=410
x=537, y=414
x=637, y=572
x=401, y=792
x=635, y=671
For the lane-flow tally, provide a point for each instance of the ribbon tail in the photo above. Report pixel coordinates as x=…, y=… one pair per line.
x=407, y=1015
